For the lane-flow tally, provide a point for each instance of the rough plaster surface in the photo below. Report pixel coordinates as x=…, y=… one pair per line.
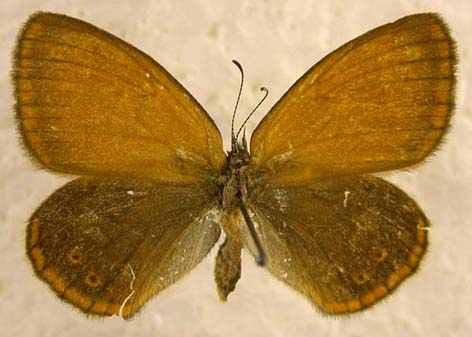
x=276, y=41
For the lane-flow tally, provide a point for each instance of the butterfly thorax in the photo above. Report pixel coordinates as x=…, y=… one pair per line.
x=235, y=186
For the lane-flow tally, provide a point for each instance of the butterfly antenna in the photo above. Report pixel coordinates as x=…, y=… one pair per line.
x=261, y=256
x=234, y=139
x=266, y=93
x=244, y=139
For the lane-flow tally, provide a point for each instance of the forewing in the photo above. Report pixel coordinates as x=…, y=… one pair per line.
x=103, y=245
x=345, y=243
x=88, y=103
x=380, y=102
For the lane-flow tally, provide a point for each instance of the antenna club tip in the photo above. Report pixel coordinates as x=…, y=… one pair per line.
x=237, y=64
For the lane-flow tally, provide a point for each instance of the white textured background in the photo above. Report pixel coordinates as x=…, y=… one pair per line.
x=276, y=41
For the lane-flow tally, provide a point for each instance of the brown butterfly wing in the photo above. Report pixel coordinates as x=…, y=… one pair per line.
x=119, y=238
x=88, y=103
x=343, y=242
x=380, y=102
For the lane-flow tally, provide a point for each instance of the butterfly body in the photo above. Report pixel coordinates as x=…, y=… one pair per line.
x=155, y=187
x=234, y=196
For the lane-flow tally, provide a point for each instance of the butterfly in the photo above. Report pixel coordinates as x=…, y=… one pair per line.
x=155, y=188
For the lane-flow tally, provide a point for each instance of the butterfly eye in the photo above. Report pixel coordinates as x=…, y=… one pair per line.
x=238, y=159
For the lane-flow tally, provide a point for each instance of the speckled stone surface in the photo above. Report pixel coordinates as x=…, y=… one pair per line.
x=276, y=41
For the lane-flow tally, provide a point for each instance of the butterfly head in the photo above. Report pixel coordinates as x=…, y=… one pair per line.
x=239, y=156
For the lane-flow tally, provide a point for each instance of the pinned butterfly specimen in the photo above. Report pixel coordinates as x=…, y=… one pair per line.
x=155, y=187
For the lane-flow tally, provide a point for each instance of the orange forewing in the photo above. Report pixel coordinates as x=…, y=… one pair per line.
x=380, y=102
